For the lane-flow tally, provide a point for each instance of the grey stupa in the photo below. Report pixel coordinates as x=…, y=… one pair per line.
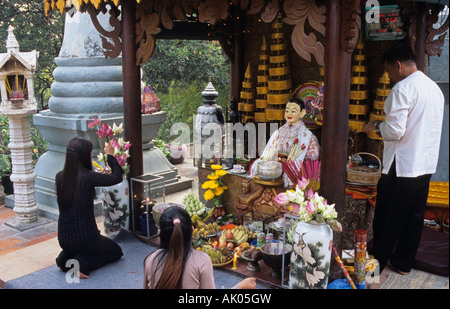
x=88, y=85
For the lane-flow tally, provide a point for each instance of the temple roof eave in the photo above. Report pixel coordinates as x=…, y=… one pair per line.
x=27, y=59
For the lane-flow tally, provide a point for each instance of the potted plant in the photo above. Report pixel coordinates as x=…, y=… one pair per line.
x=164, y=147
x=177, y=152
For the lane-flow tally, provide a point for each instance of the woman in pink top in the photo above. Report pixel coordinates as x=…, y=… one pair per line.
x=176, y=265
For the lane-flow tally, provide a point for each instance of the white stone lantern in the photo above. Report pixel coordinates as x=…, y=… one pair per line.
x=18, y=103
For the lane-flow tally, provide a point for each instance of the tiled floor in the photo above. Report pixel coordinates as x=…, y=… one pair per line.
x=12, y=239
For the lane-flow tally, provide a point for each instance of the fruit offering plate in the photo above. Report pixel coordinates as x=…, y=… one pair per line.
x=247, y=255
x=222, y=264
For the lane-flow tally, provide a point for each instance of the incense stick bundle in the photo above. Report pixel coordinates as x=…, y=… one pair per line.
x=291, y=173
x=311, y=169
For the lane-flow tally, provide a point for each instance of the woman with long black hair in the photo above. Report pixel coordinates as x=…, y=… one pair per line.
x=176, y=265
x=78, y=234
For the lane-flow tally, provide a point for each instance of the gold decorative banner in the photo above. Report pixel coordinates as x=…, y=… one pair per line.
x=378, y=105
x=245, y=107
x=279, y=59
x=262, y=90
x=261, y=103
x=277, y=99
x=247, y=95
x=280, y=85
x=279, y=71
x=274, y=114
x=263, y=78
x=359, y=95
x=383, y=92
x=260, y=117
x=355, y=109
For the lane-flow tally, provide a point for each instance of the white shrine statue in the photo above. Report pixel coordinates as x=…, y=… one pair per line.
x=293, y=141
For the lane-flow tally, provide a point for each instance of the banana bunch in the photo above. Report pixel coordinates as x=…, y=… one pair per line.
x=218, y=256
x=203, y=229
x=238, y=235
x=196, y=219
x=193, y=204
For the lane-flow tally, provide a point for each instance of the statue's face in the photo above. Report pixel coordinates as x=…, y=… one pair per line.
x=293, y=114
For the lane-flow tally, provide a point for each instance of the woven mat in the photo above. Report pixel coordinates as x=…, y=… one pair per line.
x=416, y=279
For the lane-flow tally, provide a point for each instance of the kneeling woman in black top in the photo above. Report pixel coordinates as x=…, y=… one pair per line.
x=78, y=234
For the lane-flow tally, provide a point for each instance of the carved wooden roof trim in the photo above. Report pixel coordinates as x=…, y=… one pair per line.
x=153, y=15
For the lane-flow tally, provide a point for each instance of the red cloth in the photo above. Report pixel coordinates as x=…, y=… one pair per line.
x=362, y=192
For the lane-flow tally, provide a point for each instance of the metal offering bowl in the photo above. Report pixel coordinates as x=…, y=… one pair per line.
x=158, y=210
x=273, y=257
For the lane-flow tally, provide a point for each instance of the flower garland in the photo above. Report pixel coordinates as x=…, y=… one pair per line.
x=110, y=134
x=214, y=186
x=309, y=205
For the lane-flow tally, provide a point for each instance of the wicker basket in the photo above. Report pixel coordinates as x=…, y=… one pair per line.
x=364, y=174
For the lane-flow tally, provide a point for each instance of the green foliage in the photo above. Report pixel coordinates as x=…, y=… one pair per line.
x=181, y=104
x=187, y=61
x=39, y=147
x=178, y=73
x=5, y=164
x=161, y=145
x=34, y=31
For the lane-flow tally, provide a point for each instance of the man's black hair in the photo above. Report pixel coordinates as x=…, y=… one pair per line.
x=399, y=52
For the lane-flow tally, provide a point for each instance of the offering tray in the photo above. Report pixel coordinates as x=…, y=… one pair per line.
x=222, y=264
x=273, y=182
x=253, y=264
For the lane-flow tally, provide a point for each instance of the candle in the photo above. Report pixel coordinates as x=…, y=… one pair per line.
x=234, y=262
x=360, y=256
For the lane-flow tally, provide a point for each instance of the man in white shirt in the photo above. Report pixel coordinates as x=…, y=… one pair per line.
x=411, y=134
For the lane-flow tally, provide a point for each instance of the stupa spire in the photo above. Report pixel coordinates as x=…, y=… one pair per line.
x=11, y=42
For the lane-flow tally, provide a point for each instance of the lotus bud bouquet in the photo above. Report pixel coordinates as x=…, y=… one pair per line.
x=309, y=205
x=214, y=186
x=110, y=134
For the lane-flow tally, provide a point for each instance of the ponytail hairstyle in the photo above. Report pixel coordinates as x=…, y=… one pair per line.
x=175, y=236
x=78, y=157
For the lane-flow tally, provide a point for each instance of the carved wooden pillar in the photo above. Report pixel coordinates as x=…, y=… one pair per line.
x=340, y=40
x=131, y=92
x=421, y=35
x=237, y=60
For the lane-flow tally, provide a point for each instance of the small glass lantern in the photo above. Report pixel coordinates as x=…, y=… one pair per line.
x=147, y=190
x=256, y=222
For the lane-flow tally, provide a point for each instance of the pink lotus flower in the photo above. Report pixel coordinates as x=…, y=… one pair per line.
x=302, y=184
x=127, y=146
x=94, y=123
x=310, y=208
x=281, y=199
x=295, y=208
x=310, y=194
x=110, y=134
x=122, y=159
x=115, y=143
